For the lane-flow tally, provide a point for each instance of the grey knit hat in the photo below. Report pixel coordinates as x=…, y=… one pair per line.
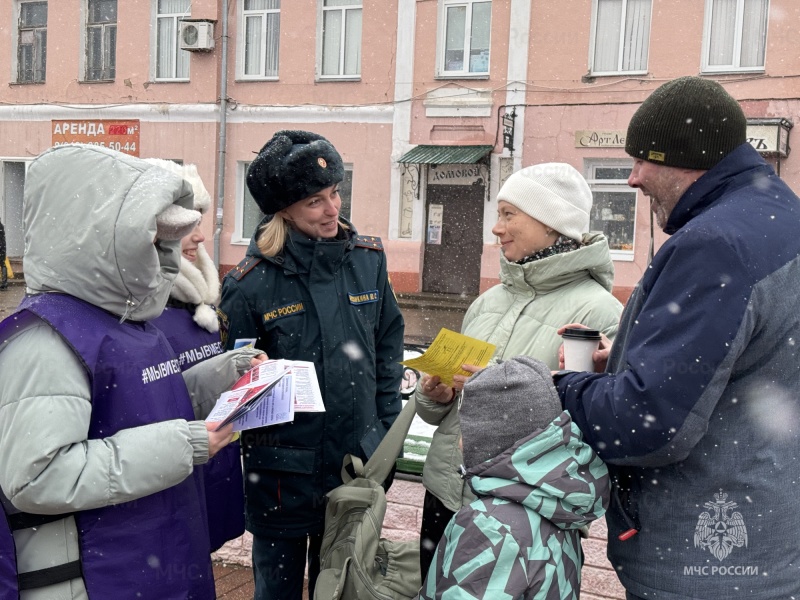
x=503, y=404
x=291, y=166
x=689, y=122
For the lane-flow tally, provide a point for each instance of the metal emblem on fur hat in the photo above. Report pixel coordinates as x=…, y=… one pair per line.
x=291, y=166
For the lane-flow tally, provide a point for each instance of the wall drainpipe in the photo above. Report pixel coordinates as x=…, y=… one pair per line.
x=223, y=124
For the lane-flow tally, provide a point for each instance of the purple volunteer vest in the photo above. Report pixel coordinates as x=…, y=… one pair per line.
x=8, y=562
x=154, y=547
x=222, y=475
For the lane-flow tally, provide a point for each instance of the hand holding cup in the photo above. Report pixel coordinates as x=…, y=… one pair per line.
x=584, y=349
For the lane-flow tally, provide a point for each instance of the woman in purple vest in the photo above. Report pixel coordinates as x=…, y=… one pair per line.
x=190, y=323
x=100, y=430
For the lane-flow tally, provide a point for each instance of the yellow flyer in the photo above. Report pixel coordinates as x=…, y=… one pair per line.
x=448, y=352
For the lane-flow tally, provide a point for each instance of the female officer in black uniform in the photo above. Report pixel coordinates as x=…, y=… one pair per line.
x=310, y=289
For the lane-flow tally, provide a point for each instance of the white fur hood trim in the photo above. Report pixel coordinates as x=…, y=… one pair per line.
x=198, y=284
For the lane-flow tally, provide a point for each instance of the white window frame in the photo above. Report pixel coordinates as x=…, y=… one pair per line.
x=241, y=42
x=85, y=41
x=441, y=43
x=238, y=238
x=174, y=44
x=343, y=37
x=15, y=74
x=593, y=40
x=738, y=34
x=614, y=186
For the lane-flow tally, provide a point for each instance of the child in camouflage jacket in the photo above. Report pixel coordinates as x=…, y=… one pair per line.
x=538, y=485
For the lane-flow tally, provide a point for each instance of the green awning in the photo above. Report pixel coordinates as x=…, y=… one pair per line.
x=445, y=155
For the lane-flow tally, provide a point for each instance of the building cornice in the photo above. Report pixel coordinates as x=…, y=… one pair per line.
x=198, y=113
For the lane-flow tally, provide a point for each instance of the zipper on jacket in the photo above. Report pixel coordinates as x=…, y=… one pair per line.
x=129, y=304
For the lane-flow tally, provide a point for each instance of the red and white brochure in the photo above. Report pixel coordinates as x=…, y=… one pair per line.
x=268, y=394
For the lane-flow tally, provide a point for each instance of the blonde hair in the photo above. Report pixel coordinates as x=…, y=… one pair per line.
x=272, y=236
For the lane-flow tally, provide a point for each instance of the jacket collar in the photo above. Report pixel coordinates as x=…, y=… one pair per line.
x=297, y=254
x=592, y=259
x=738, y=168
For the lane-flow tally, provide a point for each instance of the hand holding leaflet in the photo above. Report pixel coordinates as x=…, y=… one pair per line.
x=247, y=392
x=448, y=352
x=268, y=394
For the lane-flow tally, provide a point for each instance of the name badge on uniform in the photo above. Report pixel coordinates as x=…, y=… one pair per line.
x=363, y=297
x=295, y=308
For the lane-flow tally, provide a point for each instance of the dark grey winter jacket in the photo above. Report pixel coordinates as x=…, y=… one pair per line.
x=698, y=415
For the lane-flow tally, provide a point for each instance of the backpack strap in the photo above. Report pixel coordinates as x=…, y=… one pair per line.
x=382, y=460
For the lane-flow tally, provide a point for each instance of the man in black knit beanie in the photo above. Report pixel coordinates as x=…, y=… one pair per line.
x=695, y=407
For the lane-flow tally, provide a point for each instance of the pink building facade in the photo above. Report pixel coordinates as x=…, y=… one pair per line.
x=432, y=104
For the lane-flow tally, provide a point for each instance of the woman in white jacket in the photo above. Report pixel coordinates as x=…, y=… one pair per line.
x=551, y=272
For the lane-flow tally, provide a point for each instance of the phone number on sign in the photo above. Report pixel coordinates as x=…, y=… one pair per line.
x=118, y=146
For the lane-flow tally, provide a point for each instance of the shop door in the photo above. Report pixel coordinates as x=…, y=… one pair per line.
x=452, y=260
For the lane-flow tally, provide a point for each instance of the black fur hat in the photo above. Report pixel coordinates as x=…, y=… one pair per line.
x=292, y=166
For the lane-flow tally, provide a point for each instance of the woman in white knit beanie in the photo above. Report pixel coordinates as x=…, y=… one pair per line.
x=552, y=271
x=542, y=208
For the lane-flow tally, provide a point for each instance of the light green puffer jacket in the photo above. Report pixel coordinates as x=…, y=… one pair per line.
x=521, y=316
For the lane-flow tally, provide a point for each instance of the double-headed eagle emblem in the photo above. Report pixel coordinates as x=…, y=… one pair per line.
x=720, y=532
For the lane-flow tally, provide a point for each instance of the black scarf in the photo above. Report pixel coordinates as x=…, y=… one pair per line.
x=563, y=244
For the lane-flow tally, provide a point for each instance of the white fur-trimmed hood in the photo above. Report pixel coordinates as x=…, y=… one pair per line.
x=198, y=284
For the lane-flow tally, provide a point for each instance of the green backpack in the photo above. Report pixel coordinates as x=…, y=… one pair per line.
x=356, y=563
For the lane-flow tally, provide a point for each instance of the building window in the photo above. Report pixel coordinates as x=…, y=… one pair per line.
x=341, y=38
x=171, y=61
x=620, y=36
x=346, y=193
x=32, y=48
x=249, y=215
x=12, y=188
x=614, y=207
x=735, y=35
x=101, y=40
x=259, y=48
x=464, y=37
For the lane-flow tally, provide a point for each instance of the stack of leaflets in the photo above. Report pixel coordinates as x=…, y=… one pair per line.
x=268, y=394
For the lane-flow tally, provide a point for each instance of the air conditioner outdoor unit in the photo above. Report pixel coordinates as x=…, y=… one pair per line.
x=196, y=35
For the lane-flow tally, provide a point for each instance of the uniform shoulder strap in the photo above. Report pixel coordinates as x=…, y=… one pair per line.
x=244, y=267
x=368, y=241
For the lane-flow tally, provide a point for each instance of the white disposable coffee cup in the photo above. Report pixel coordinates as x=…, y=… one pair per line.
x=579, y=345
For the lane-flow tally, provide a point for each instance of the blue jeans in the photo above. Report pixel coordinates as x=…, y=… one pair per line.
x=279, y=566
